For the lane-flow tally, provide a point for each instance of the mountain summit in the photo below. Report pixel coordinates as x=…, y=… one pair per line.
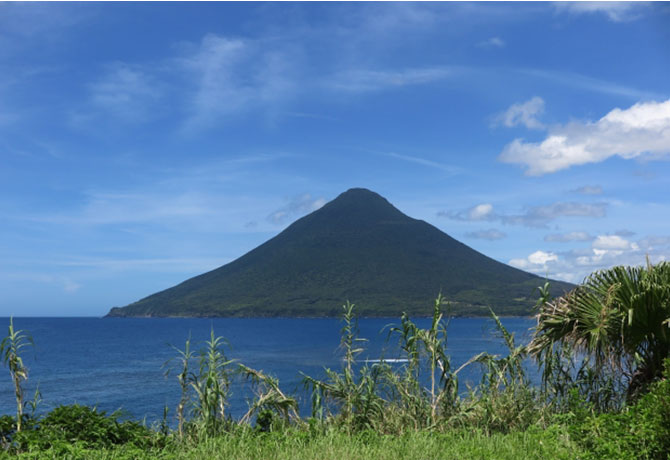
x=360, y=248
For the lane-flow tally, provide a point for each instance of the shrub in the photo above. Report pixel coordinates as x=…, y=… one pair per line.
x=640, y=431
x=82, y=425
x=618, y=320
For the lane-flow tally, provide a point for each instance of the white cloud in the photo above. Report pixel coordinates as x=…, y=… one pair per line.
x=521, y=264
x=615, y=11
x=491, y=234
x=602, y=257
x=605, y=251
x=524, y=113
x=611, y=250
x=568, y=237
x=643, y=129
x=538, y=260
x=541, y=257
x=482, y=211
x=611, y=242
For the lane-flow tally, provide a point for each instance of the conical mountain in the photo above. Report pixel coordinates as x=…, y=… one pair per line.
x=357, y=247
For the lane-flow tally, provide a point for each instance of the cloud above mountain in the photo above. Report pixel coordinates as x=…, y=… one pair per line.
x=642, y=130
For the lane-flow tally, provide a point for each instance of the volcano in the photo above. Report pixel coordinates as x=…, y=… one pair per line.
x=356, y=248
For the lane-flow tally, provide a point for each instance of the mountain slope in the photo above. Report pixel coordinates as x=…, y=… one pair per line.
x=357, y=247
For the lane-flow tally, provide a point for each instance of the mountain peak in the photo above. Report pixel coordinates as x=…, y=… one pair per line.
x=357, y=207
x=362, y=195
x=360, y=192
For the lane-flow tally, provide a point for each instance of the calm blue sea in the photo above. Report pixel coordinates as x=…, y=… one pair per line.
x=118, y=363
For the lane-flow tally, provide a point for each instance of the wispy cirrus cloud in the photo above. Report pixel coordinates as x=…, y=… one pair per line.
x=568, y=237
x=540, y=216
x=359, y=81
x=126, y=92
x=614, y=11
x=64, y=283
x=7, y=118
x=155, y=206
x=525, y=113
x=220, y=76
x=207, y=82
x=425, y=162
x=652, y=243
x=625, y=233
x=203, y=197
x=491, y=234
x=642, y=130
x=80, y=269
x=35, y=20
x=534, y=216
x=160, y=264
x=297, y=206
x=382, y=20
x=234, y=75
x=588, y=83
x=589, y=190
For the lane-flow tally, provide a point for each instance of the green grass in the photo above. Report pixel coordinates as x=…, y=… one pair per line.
x=292, y=444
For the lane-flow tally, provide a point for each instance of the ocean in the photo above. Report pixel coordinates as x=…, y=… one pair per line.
x=119, y=363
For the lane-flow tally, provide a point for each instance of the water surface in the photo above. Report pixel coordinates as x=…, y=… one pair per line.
x=118, y=363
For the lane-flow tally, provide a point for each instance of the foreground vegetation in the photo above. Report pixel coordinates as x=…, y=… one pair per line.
x=603, y=349
x=336, y=445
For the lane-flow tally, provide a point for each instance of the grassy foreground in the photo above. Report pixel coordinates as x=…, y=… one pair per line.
x=604, y=352
x=462, y=444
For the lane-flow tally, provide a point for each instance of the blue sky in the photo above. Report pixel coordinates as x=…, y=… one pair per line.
x=142, y=144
